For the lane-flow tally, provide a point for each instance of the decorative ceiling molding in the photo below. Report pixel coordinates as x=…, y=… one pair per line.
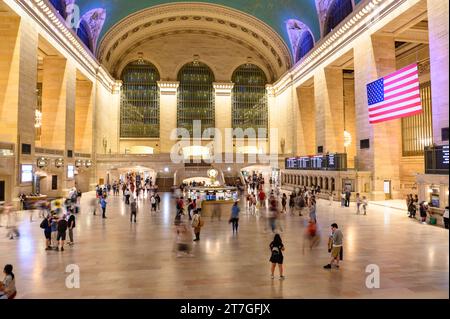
x=127, y=57
x=217, y=18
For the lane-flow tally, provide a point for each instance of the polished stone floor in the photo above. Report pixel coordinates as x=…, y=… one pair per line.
x=120, y=260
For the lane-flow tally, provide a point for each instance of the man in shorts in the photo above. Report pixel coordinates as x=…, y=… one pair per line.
x=335, y=246
x=62, y=229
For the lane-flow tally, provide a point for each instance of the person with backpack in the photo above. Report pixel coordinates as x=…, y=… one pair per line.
x=197, y=224
x=71, y=226
x=276, y=258
x=46, y=225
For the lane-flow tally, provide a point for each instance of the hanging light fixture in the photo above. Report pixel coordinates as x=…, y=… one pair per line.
x=347, y=139
x=37, y=119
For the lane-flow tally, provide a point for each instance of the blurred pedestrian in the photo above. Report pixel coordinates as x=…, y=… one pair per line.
x=234, y=219
x=276, y=257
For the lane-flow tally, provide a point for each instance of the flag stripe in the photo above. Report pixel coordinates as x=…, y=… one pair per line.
x=400, y=87
x=396, y=117
x=401, y=112
x=402, y=80
x=401, y=75
x=410, y=88
x=390, y=76
x=396, y=108
x=391, y=106
x=399, y=99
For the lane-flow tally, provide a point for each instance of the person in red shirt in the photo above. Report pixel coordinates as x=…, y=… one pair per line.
x=262, y=198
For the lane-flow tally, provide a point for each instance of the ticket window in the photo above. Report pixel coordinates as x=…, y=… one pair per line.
x=434, y=198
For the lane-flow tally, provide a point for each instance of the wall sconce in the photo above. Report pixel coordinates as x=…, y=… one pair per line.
x=59, y=162
x=78, y=163
x=88, y=163
x=42, y=162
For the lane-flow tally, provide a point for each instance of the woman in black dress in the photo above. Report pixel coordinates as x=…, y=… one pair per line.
x=277, y=248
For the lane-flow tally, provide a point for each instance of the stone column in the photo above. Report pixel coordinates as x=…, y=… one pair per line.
x=438, y=23
x=223, y=108
x=349, y=119
x=374, y=57
x=329, y=102
x=84, y=116
x=18, y=78
x=274, y=117
x=306, y=130
x=168, y=113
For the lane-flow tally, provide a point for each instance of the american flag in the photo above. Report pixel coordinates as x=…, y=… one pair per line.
x=395, y=96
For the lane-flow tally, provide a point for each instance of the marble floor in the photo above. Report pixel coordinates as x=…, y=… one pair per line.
x=117, y=259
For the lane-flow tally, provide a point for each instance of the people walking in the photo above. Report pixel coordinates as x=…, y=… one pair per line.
x=364, y=204
x=71, y=226
x=423, y=208
x=133, y=209
x=46, y=225
x=62, y=229
x=348, y=194
x=358, y=203
x=283, y=203
x=234, y=219
x=103, y=204
x=335, y=244
x=276, y=257
x=197, y=224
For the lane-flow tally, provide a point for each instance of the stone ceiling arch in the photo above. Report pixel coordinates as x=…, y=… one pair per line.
x=217, y=20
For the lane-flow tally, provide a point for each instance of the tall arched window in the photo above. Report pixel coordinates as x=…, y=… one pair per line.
x=195, y=96
x=337, y=12
x=306, y=43
x=249, y=98
x=84, y=33
x=139, y=111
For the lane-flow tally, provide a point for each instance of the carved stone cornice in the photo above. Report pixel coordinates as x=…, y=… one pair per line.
x=49, y=21
x=223, y=89
x=168, y=87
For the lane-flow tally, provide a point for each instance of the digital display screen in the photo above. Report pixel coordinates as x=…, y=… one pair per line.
x=437, y=160
x=332, y=162
x=442, y=158
x=317, y=162
x=291, y=163
x=304, y=162
x=70, y=171
x=26, y=175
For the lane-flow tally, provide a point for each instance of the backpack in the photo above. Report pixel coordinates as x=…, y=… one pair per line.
x=201, y=223
x=44, y=224
x=275, y=252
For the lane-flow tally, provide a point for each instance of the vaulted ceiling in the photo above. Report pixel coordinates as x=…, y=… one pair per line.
x=275, y=13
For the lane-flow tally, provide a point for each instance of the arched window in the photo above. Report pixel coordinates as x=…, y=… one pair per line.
x=195, y=96
x=139, y=111
x=306, y=43
x=249, y=108
x=337, y=12
x=60, y=6
x=84, y=33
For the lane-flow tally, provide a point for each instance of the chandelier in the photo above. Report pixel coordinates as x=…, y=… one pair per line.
x=347, y=139
x=37, y=119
